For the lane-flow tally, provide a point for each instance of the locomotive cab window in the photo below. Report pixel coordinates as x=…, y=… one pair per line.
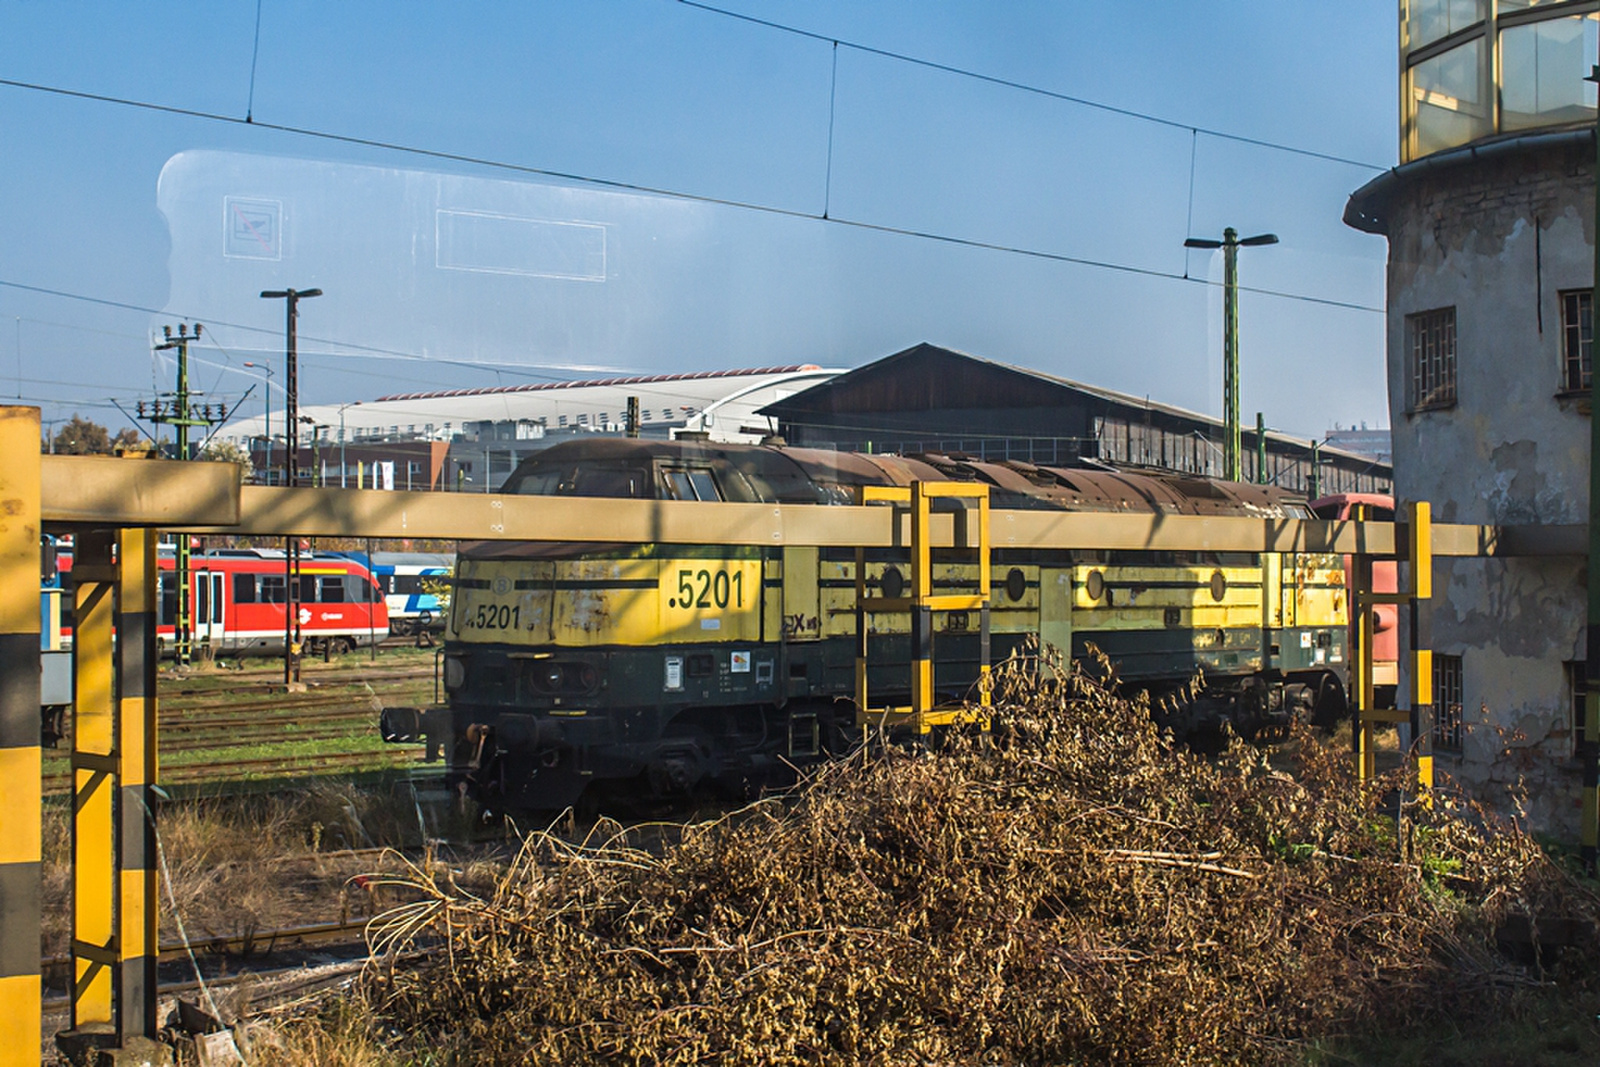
x=688, y=483
x=587, y=480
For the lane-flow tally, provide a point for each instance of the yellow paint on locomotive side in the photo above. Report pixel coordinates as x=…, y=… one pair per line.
x=593, y=602
x=837, y=599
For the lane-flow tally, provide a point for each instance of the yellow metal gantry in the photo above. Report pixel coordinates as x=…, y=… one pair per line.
x=116, y=505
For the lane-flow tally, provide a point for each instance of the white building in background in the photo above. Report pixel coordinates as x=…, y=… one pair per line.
x=450, y=438
x=1489, y=220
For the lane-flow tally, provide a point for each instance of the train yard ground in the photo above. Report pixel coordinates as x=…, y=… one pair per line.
x=1258, y=914
x=232, y=726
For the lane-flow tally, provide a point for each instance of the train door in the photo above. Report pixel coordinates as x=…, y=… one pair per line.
x=1055, y=609
x=209, y=609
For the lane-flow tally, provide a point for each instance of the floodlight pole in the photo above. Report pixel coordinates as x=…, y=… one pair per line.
x=1232, y=435
x=291, y=555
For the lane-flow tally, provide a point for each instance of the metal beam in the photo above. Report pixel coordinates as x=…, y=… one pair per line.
x=111, y=491
x=207, y=497
x=19, y=739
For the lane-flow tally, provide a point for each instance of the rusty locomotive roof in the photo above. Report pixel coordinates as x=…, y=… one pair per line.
x=779, y=474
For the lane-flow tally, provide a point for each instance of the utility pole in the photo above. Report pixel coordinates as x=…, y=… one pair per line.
x=1230, y=245
x=1261, y=449
x=291, y=555
x=179, y=413
x=267, y=409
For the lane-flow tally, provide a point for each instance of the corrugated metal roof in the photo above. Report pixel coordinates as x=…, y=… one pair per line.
x=792, y=408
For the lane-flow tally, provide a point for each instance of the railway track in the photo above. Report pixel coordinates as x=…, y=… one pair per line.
x=55, y=969
x=391, y=757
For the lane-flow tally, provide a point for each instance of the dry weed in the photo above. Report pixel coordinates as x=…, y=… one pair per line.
x=241, y=864
x=1073, y=890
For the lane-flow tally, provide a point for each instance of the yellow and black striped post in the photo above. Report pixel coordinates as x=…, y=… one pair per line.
x=921, y=610
x=1361, y=605
x=94, y=778
x=137, y=904
x=1422, y=712
x=861, y=629
x=21, y=782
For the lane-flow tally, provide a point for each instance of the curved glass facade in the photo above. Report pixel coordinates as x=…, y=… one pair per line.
x=1474, y=68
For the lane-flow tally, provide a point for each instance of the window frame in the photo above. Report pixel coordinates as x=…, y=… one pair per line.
x=1449, y=727
x=1571, y=331
x=1421, y=393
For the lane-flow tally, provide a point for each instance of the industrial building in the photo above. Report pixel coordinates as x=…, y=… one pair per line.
x=932, y=399
x=1489, y=219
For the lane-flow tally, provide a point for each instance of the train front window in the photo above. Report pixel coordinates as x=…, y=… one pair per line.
x=692, y=483
x=586, y=480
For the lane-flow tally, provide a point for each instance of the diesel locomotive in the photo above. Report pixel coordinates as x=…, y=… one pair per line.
x=582, y=670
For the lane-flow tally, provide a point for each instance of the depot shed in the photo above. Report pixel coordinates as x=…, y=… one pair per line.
x=932, y=399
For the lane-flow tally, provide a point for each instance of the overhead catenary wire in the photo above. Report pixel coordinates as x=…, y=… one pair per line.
x=634, y=187
x=1036, y=90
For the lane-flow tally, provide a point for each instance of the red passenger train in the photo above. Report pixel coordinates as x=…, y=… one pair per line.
x=237, y=602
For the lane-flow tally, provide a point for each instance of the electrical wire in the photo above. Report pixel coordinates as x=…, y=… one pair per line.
x=611, y=183
x=1035, y=90
x=357, y=351
x=255, y=52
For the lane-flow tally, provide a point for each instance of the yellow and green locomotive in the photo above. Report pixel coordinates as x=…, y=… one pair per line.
x=658, y=670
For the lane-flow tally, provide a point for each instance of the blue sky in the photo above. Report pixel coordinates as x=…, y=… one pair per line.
x=126, y=205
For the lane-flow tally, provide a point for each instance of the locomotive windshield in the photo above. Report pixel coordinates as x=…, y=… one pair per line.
x=588, y=479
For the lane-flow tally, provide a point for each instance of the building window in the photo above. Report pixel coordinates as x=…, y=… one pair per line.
x=1578, y=691
x=1577, y=339
x=1432, y=339
x=1447, y=703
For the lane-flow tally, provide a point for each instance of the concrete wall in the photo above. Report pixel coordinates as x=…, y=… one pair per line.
x=1499, y=240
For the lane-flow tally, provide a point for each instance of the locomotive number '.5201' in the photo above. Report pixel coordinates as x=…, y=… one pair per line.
x=704, y=588
x=493, y=617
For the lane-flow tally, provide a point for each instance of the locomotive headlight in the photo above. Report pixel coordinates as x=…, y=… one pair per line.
x=455, y=672
x=550, y=677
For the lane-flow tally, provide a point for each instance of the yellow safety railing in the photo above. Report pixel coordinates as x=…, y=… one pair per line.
x=916, y=501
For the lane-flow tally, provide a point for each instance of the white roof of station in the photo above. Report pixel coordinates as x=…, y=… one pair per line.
x=723, y=403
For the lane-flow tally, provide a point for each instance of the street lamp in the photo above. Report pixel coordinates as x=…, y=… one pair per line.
x=1230, y=245
x=267, y=426
x=351, y=404
x=291, y=556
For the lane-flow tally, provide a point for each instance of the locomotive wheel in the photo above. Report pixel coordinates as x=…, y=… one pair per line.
x=1332, y=707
